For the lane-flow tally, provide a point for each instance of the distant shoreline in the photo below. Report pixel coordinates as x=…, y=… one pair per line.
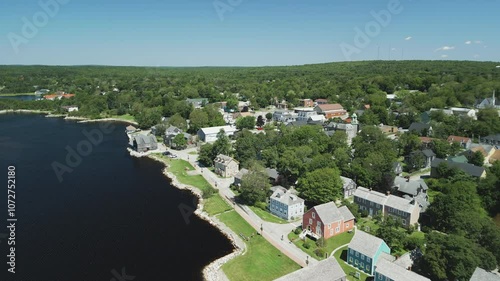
x=66, y=117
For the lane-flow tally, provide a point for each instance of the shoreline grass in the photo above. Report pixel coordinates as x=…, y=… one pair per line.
x=261, y=261
x=15, y=95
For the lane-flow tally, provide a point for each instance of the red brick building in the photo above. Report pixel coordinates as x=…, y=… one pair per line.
x=331, y=110
x=326, y=220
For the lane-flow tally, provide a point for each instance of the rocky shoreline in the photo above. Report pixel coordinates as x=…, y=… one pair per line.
x=49, y=114
x=211, y=272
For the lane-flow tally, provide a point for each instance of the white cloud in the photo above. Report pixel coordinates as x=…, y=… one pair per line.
x=445, y=48
x=393, y=49
x=408, y=38
x=478, y=42
x=468, y=42
x=444, y=56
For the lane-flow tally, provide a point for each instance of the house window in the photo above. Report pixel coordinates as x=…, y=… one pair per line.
x=319, y=224
x=367, y=267
x=329, y=225
x=357, y=254
x=362, y=256
x=313, y=215
x=404, y=222
x=368, y=259
x=331, y=231
x=350, y=260
x=310, y=221
x=347, y=225
x=337, y=229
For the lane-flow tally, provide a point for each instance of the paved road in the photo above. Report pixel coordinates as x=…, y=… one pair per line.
x=272, y=232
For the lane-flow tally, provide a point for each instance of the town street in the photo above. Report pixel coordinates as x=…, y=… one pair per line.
x=272, y=232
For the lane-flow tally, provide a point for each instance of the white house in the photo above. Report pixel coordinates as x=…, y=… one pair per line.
x=210, y=134
x=286, y=204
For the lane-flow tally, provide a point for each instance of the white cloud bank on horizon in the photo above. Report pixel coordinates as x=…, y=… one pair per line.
x=445, y=48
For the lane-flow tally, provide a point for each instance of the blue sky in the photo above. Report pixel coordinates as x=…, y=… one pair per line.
x=246, y=32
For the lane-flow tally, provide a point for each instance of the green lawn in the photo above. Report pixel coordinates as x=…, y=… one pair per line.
x=126, y=117
x=18, y=94
x=261, y=261
x=180, y=168
x=331, y=244
x=216, y=205
x=267, y=216
x=349, y=271
x=193, y=153
x=367, y=222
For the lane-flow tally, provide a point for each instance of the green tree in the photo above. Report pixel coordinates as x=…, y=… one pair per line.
x=207, y=156
x=179, y=141
x=269, y=116
x=255, y=186
x=222, y=145
x=197, y=119
x=177, y=121
x=321, y=186
x=246, y=147
x=247, y=122
x=476, y=158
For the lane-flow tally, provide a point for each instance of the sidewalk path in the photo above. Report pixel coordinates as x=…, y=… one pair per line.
x=272, y=232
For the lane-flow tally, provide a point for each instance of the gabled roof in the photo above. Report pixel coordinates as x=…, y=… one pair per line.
x=241, y=173
x=287, y=197
x=329, y=213
x=172, y=130
x=328, y=269
x=458, y=159
x=428, y=153
x=272, y=173
x=418, y=127
x=143, y=139
x=330, y=107
x=495, y=157
x=370, y=195
x=224, y=159
x=426, y=139
x=215, y=130
x=346, y=182
x=465, y=167
x=458, y=139
x=400, y=203
x=492, y=137
x=483, y=275
x=365, y=243
x=409, y=187
x=396, y=272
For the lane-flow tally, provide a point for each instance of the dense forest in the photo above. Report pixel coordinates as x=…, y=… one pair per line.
x=149, y=92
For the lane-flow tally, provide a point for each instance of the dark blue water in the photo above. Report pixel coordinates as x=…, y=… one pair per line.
x=23, y=98
x=111, y=212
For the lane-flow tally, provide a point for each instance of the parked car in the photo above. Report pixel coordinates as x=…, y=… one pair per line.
x=166, y=153
x=172, y=156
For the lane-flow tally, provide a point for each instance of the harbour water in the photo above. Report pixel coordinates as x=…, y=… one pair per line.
x=106, y=215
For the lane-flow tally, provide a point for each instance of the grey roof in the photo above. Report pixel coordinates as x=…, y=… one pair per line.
x=241, y=173
x=396, y=272
x=373, y=196
x=272, y=173
x=329, y=212
x=409, y=187
x=328, y=269
x=428, y=153
x=365, y=243
x=286, y=197
x=143, y=139
x=215, y=130
x=418, y=127
x=172, y=130
x=469, y=169
x=224, y=159
x=483, y=275
x=297, y=123
x=346, y=182
x=400, y=203
x=492, y=138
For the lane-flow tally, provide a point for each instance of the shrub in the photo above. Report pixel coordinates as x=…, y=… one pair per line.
x=319, y=252
x=209, y=192
x=321, y=242
x=297, y=231
x=307, y=244
x=261, y=205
